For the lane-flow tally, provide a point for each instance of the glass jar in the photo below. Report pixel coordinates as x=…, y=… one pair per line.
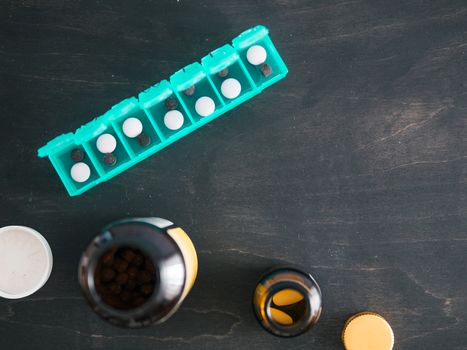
x=138, y=271
x=287, y=301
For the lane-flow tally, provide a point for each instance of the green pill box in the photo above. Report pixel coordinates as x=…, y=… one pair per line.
x=138, y=127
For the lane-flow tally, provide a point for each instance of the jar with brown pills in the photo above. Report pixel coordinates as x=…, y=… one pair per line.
x=137, y=272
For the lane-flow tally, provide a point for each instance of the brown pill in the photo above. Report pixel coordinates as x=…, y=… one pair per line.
x=139, y=260
x=133, y=272
x=171, y=103
x=146, y=289
x=108, y=274
x=130, y=284
x=115, y=288
x=77, y=155
x=223, y=73
x=149, y=266
x=120, y=265
x=190, y=91
x=266, y=70
x=128, y=254
x=97, y=280
x=144, y=277
x=122, y=278
x=110, y=159
x=144, y=140
x=113, y=301
x=125, y=296
x=108, y=258
x=139, y=301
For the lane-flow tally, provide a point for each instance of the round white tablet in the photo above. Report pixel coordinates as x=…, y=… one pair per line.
x=106, y=143
x=173, y=120
x=205, y=106
x=256, y=55
x=80, y=172
x=132, y=127
x=25, y=261
x=231, y=88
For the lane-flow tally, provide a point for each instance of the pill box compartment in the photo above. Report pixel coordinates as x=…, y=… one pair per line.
x=158, y=100
x=65, y=161
x=148, y=129
x=235, y=71
x=259, y=36
x=255, y=71
x=158, y=111
x=224, y=63
x=202, y=88
x=194, y=75
x=120, y=153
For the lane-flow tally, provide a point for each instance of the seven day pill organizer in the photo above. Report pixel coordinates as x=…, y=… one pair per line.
x=138, y=127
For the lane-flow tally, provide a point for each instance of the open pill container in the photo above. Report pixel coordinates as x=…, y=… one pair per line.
x=25, y=261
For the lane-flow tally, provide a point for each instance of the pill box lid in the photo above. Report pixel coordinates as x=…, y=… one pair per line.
x=25, y=261
x=219, y=59
x=155, y=94
x=56, y=145
x=187, y=76
x=250, y=36
x=122, y=109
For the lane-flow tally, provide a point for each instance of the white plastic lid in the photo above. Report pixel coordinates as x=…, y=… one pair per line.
x=25, y=261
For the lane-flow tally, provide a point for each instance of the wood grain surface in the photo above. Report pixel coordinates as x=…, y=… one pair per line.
x=354, y=166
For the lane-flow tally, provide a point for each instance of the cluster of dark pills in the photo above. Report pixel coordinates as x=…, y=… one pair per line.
x=125, y=278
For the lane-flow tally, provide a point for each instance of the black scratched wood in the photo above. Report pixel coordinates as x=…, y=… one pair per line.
x=354, y=166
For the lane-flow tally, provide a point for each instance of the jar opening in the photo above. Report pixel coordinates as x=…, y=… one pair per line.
x=125, y=277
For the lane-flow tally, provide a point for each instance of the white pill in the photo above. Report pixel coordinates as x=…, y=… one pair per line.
x=231, y=88
x=80, y=172
x=173, y=120
x=205, y=106
x=106, y=143
x=256, y=55
x=132, y=127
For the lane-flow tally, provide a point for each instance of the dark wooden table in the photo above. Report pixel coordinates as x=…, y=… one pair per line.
x=354, y=166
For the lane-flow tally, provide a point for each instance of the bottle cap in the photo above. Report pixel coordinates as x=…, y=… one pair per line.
x=25, y=261
x=367, y=331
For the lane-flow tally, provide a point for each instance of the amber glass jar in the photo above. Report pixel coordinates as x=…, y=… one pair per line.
x=287, y=301
x=137, y=272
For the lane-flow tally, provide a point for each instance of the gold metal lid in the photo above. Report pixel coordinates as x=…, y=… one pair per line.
x=367, y=331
